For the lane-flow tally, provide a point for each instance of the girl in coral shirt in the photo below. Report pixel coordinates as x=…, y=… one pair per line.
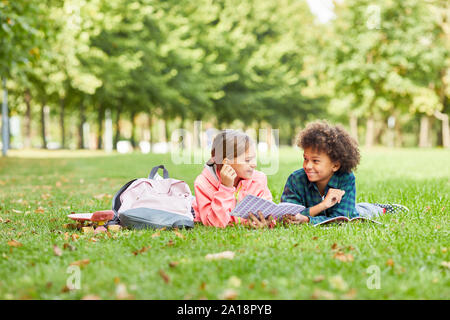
x=226, y=179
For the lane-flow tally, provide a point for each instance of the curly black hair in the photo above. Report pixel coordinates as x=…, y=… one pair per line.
x=334, y=141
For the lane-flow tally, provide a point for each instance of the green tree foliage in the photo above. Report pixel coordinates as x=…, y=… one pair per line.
x=222, y=60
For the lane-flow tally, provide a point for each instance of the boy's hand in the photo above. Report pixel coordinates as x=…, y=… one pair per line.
x=333, y=196
x=256, y=223
x=297, y=219
x=227, y=174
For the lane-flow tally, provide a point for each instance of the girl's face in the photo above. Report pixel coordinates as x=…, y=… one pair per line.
x=244, y=164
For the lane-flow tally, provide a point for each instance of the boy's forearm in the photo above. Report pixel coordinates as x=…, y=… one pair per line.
x=318, y=208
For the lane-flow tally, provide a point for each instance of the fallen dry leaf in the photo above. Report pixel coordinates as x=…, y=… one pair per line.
x=164, y=275
x=322, y=294
x=179, y=235
x=114, y=228
x=65, y=289
x=75, y=237
x=91, y=297
x=170, y=243
x=390, y=262
x=337, y=282
x=350, y=295
x=229, y=294
x=141, y=250
x=319, y=278
x=173, y=264
x=45, y=196
x=445, y=264
x=57, y=251
x=334, y=246
x=39, y=210
x=234, y=282
x=16, y=211
x=102, y=195
x=343, y=257
x=122, y=292
x=87, y=229
x=69, y=246
x=93, y=240
x=221, y=255
x=14, y=243
x=80, y=263
x=156, y=234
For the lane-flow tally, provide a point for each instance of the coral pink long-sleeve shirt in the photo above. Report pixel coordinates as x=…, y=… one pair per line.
x=214, y=201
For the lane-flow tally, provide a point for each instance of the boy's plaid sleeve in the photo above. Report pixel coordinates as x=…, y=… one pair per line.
x=346, y=207
x=290, y=192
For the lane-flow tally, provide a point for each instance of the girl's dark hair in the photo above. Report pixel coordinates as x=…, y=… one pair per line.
x=334, y=141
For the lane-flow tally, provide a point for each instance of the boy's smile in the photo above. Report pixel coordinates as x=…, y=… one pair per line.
x=318, y=167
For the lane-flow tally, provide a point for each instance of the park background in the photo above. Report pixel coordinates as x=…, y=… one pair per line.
x=71, y=69
x=89, y=74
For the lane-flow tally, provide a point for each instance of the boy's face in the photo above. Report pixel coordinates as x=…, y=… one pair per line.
x=318, y=166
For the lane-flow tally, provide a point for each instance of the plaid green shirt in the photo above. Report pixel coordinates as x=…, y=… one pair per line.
x=300, y=190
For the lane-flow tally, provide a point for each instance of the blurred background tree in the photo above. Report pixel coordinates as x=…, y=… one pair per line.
x=382, y=69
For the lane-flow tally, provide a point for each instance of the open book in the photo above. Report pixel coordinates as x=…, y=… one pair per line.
x=254, y=204
x=342, y=219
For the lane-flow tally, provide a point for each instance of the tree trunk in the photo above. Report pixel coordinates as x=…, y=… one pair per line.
x=370, y=132
x=43, y=128
x=62, y=103
x=445, y=128
x=398, y=135
x=292, y=134
x=354, y=126
x=258, y=128
x=150, y=126
x=166, y=129
x=424, y=138
x=27, y=98
x=5, y=119
x=183, y=142
x=80, y=126
x=133, y=129
x=117, y=135
x=100, y=118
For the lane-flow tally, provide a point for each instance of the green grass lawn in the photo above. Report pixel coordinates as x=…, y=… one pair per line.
x=410, y=253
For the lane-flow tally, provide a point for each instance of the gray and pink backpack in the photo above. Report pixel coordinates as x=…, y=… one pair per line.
x=154, y=202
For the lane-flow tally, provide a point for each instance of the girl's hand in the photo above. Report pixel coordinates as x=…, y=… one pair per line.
x=333, y=196
x=227, y=174
x=297, y=219
x=256, y=223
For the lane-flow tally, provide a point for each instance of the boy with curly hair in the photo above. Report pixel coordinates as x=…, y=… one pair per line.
x=326, y=184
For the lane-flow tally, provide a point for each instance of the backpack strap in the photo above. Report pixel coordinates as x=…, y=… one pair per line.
x=155, y=169
x=116, y=204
